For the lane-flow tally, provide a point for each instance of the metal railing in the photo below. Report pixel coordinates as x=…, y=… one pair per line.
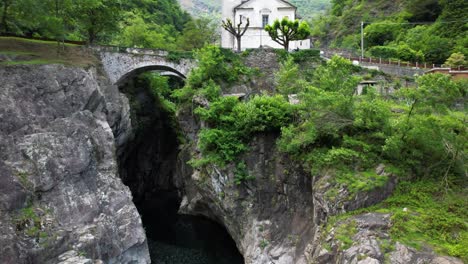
x=353, y=56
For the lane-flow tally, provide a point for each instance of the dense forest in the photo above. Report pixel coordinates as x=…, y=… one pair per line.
x=409, y=30
x=149, y=23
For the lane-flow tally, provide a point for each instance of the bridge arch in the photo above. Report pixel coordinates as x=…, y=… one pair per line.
x=164, y=70
x=120, y=64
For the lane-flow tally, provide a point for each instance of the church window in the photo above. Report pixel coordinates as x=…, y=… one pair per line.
x=265, y=20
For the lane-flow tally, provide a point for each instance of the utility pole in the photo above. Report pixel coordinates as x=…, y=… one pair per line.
x=362, y=39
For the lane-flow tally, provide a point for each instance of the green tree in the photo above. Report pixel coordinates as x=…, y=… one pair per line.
x=423, y=10
x=136, y=32
x=159, y=12
x=289, y=79
x=430, y=139
x=380, y=33
x=285, y=31
x=95, y=18
x=456, y=59
x=197, y=33
x=4, y=28
x=454, y=11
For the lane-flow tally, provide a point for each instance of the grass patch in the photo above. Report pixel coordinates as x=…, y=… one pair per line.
x=17, y=53
x=35, y=41
x=21, y=51
x=344, y=234
x=34, y=62
x=434, y=217
x=356, y=182
x=361, y=181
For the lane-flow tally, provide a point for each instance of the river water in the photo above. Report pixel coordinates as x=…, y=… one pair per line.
x=184, y=239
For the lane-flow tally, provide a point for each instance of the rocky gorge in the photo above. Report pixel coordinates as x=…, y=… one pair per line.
x=79, y=172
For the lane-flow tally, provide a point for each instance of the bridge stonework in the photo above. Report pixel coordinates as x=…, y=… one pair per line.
x=121, y=63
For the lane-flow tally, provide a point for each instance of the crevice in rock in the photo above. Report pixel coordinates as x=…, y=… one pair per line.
x=147, y=165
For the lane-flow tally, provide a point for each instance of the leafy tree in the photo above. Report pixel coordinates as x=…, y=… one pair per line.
x=423, y=10
x=137, y=33
x=456, y=59
x=237, y=31
x=338, y=6
x=197, y=33
x=401, y=51
x=326, y=109
x=381, y=33
x=285, y=31
x=159, y=12
x=337, y=75
x=4, y=20
x=29, y=17
x=94, y=18
x=454, y=11
x=430, y=138
x=436, y=49
x=289, y=79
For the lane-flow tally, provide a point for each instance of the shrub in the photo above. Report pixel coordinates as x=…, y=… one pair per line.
x=381, y=33
x=241, y=174
x=232, y=124
x=456, y=59
x=401, y=51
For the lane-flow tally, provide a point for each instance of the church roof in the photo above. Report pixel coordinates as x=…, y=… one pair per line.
x=284, y=1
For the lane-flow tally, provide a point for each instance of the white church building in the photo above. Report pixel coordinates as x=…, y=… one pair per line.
x=260, y=14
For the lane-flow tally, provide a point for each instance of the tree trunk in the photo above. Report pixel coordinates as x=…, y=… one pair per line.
x=286, y=45
x=91, y=36
x=3, y=25
x=238, y=43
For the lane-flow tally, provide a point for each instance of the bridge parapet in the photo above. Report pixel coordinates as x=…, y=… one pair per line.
x=121, y=63
x=136, y=51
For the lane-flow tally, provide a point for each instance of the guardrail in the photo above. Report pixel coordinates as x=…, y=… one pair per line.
x=381, y=61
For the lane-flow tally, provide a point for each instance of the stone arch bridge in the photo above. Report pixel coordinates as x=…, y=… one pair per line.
x=122, y=63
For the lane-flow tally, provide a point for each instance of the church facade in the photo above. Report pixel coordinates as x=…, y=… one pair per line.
x=260, y=13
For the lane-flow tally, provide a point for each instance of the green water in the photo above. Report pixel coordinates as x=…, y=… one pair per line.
x=184, y=239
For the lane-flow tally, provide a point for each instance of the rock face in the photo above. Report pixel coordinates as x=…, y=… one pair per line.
x=274, y=218
x=369, y=243
x=270, y=218
x=61, y=199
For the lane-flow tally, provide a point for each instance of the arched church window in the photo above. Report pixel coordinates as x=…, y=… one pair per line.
x=265, y=20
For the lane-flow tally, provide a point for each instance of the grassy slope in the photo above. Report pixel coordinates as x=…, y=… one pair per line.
x=18, y=51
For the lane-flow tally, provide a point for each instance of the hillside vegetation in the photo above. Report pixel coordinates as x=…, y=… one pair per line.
x=134, y=23
x=410, y=30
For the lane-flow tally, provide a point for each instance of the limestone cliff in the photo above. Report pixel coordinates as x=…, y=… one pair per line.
x=61, y=198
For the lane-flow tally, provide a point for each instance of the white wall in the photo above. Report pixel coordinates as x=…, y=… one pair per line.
x=255, y=35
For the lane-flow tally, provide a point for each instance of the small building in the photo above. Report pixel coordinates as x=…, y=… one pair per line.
x=364, y=86
x=456, y=74
x=260, y=13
